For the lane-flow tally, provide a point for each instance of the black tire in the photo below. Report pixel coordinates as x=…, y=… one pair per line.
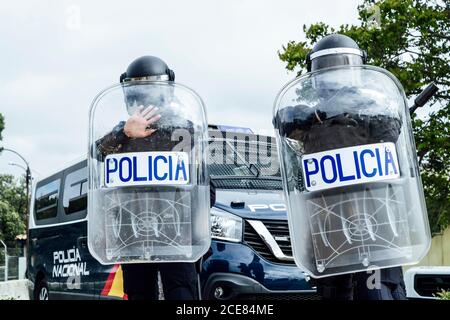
x=41, y=290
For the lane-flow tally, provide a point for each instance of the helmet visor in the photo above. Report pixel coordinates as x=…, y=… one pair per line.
x=327, y=84
x=333, y=60
x=137, y=95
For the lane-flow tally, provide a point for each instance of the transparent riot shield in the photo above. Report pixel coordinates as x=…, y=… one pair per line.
x=148, y=198
x=348, y=160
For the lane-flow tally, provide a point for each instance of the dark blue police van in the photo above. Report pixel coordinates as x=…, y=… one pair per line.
x=250, y=256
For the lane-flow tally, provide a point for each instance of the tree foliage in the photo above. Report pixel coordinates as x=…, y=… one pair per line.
x=13, y=207
x=13, y=192
x=11, y=224
x=410, y=38
x=13, y=203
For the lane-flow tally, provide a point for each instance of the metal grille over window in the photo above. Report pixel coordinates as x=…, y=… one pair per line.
x=243, y=161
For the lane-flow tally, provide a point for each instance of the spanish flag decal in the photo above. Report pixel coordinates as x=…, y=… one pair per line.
x=114, y=283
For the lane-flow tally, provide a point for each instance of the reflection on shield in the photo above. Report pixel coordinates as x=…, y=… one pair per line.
x=365, y=225
x=141, y=224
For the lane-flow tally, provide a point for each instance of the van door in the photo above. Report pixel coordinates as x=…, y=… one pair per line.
x=45, y=235
x=78, y=282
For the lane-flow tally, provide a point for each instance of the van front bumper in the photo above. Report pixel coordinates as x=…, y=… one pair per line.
x=235, y=271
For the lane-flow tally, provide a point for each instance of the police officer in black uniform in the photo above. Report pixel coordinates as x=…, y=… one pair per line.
x=330, y=51
x=179, y=280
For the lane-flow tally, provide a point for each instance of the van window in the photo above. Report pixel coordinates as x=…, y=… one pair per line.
x=46, y=205
x=75, y=189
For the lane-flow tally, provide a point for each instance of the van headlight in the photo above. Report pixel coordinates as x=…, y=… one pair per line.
x=225, y=226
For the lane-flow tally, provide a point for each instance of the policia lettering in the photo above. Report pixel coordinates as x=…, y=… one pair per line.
x=352, y=165
x=146, y=168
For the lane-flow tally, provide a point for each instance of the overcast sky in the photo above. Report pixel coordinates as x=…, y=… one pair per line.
x=56, y=55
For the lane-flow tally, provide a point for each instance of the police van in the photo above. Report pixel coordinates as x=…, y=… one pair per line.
x=59, y=263
x=250, y=255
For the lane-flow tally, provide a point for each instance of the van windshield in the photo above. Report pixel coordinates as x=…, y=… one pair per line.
x=243, y=161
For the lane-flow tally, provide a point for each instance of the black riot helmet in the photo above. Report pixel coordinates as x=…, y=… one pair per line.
x=147, y=68
x=335, y=50
x=139, y=73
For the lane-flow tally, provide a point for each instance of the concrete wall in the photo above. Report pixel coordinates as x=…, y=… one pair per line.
x=14, y=289
x=439, y=254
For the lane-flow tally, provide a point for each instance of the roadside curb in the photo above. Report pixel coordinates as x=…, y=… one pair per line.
x=14, y=290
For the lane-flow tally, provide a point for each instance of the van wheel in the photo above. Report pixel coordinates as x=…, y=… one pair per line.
x=41, y=292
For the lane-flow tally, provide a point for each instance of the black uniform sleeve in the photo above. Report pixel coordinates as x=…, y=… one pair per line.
x=111, y=142
x=212, y=194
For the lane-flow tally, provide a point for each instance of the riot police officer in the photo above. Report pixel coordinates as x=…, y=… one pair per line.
x=325, y=129
x=179, y=280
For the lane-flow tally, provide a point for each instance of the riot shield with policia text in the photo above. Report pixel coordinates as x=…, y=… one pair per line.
x=350, y=172
x=148, y=197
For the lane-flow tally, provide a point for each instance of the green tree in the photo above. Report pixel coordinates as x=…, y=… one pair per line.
x=13, y=192
x=13, y=203
x=13, y=207
x=11, y=224
x=410, y=38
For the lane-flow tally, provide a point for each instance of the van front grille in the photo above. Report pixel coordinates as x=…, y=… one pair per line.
x=279, y=230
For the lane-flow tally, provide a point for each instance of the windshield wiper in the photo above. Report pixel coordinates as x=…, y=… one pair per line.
x=251, y=167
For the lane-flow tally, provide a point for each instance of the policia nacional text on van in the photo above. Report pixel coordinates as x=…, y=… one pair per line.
x=149, y=127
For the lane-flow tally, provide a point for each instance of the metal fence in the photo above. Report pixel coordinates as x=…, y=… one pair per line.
x=12, y=262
